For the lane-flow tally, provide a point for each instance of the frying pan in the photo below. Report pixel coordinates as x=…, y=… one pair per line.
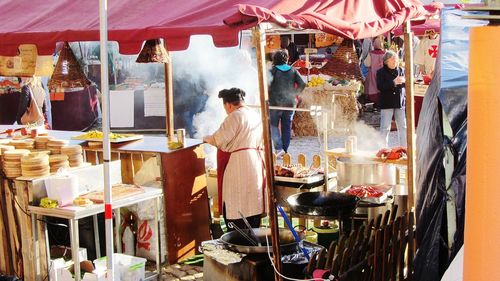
x=236, y=242
x=323, y=204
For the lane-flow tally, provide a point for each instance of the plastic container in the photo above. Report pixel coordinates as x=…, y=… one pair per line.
x=127, y=268
x=327, y=234
x=63, y=188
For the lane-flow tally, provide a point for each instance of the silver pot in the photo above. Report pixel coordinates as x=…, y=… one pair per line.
x=360, y=171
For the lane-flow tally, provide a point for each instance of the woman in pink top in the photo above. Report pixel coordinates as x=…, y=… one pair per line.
x=374, y=61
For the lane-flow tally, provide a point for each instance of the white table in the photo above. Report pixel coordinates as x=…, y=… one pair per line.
x=74, y=213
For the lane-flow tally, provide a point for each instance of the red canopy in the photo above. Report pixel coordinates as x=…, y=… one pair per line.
x=420, y=29
x=354, y=19
x=130, y=22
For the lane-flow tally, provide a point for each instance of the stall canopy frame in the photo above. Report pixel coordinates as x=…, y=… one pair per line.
x=45, y=23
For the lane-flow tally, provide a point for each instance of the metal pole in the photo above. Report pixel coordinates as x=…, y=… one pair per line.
x=410, y=113
x=169, y=98
x=106, y=155
x=259, y=40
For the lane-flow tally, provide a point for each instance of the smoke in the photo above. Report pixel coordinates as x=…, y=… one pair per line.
x=369, y=139
x=216, y=69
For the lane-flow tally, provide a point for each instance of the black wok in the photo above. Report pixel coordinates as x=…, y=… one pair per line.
x=236, y=242
x=323, y=204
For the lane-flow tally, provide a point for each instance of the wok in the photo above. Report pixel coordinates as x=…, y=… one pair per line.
x=323, y=204
x=236, y=242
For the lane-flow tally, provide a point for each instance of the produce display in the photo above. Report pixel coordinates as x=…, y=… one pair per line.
x=367, y=191
x=392, y=153
x=294, y=171
x=316, y=81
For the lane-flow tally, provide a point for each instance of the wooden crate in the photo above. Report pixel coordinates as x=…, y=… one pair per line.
x=17, y=195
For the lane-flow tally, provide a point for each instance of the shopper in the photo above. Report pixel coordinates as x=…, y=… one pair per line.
x=32, y=88
x=285, y=85
x=374, y=62
x=391, y=83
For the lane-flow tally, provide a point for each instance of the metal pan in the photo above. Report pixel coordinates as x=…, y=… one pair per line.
x=323, y=204
x=236, y=242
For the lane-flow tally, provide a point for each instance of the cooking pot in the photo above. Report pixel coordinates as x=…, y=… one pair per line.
x=323, y=204
x=362, y=171
x=236, y=242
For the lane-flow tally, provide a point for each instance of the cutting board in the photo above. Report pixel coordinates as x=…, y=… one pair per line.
x=117, y=191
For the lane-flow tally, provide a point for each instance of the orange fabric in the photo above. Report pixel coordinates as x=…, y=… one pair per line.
x=57, y=96
x=482, y=224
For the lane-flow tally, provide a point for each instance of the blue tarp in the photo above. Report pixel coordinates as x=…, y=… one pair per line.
x=445, y=101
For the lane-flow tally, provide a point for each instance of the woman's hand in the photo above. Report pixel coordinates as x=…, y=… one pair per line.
x=209, y=139
x=399, y=80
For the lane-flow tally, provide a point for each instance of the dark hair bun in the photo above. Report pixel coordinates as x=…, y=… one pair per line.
x=232, y=95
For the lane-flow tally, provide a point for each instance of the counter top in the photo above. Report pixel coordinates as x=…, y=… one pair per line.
x=75, y=212
x=154, y=144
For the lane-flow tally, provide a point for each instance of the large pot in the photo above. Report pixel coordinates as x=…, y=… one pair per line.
x=236, y=242
x=361, y=171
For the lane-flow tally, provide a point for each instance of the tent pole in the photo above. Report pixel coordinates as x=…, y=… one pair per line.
x=108, y=209
x=259, y=39
x=169, y=98
x=410, y=113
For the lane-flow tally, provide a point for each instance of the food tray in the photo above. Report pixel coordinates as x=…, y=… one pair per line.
x=306, y=180
x=128, y=137
x=374, y=200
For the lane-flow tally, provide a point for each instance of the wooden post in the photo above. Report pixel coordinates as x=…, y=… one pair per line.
x=410, y=113
x=169, y=98
x=259, y=39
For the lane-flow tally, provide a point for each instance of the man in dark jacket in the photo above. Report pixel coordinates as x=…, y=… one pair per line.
x=390, y=83
x=286, y=83
x=293, y=51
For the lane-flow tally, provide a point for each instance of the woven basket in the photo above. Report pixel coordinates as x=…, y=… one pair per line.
x=345, y=62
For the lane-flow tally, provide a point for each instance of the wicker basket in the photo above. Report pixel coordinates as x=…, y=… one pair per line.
x=345, y=62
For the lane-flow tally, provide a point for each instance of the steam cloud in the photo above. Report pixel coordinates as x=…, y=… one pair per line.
x=217, y=68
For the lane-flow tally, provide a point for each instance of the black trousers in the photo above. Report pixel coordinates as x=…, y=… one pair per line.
x=254, y=221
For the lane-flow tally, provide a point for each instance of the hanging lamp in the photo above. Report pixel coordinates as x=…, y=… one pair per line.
x=153, y=51
x=67, y=73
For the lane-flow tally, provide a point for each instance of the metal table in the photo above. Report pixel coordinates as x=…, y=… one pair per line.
x=74, y=213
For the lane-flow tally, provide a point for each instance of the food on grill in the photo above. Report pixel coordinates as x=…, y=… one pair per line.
x=293, y=171
x=392, y=154
x=367, y=191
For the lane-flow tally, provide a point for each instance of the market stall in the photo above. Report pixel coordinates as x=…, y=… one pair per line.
x=332, y=85
x=132, y=30
x=182, y=177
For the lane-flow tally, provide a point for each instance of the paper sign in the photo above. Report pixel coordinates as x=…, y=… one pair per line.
x=26, y=63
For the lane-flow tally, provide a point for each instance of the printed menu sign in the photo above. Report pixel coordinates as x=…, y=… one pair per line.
x=26, y=63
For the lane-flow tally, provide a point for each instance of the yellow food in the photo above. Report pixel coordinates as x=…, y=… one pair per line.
x=174, y=145
x=316, y=81
x=99, y=135
x=49, y=203
x=82, y=202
